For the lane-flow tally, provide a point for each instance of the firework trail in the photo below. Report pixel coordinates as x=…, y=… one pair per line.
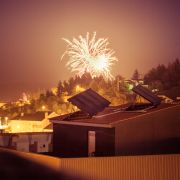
x=90, y=55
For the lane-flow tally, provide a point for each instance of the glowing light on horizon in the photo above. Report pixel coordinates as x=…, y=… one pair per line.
x=79, y=88
x=87, y=54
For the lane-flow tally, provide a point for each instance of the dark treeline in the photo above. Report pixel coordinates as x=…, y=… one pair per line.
x=85, y=81
x=164, y=77
x=58, y=101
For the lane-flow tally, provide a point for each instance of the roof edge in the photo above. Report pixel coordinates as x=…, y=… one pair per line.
x=114, y=124
x=82, y=124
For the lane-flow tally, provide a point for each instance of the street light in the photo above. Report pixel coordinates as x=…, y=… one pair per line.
x=43, y=107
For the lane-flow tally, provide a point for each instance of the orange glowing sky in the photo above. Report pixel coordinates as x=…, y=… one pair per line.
x=143, y=34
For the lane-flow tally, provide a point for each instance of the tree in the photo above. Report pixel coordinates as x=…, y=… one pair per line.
x=164, y=77
x=49, y=94
x=174, y=73
x=66, y=87
x=60, y=88
x=135, y=75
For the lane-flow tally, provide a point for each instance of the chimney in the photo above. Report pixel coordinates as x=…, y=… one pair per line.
x=46, y=115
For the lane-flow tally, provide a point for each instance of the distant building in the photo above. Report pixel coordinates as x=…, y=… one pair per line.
x=166, y=99
x=2, y=104
x=34, y=122
x=3, y=123
x=129, y=83
x=38, y=142
x=172, y=93
x=99, y=130
x=27, y=132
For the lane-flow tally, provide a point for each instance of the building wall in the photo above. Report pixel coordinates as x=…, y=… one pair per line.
x=72, y=140
x=27, y=142
x=18, y=126
x=153, y=133
x=4, y=140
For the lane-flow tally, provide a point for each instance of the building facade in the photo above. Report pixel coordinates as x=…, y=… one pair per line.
x=115, y=132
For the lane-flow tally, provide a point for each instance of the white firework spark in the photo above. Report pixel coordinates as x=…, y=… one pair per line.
x=90, y=55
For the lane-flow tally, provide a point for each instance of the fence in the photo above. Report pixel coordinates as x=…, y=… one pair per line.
x=149, y=167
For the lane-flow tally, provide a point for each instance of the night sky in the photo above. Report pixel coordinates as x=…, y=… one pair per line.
x=142, y=33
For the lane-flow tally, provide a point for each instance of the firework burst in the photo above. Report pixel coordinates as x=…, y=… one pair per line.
x=90, y=55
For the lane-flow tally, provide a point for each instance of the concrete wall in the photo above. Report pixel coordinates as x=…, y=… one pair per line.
x=72, y=140
x=27, y=142
x=4, y=140
x=154, y=133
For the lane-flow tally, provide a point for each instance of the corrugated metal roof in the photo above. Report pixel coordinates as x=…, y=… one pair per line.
x=112, y=116
x=37, y=116
x=89, y=102
x=147, y=94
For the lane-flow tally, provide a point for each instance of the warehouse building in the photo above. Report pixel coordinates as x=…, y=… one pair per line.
x=102, y=130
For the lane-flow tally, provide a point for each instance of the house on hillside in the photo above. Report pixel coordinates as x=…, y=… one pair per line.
x=165, y=99
x=2, y=104
x=27, y=132
x=34, y=122
x=172, y=93
x=3, y=123
x=101, y=130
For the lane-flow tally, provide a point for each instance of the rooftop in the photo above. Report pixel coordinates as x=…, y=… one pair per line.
x=95, y=110
x=110, y=116
x=37, y=116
